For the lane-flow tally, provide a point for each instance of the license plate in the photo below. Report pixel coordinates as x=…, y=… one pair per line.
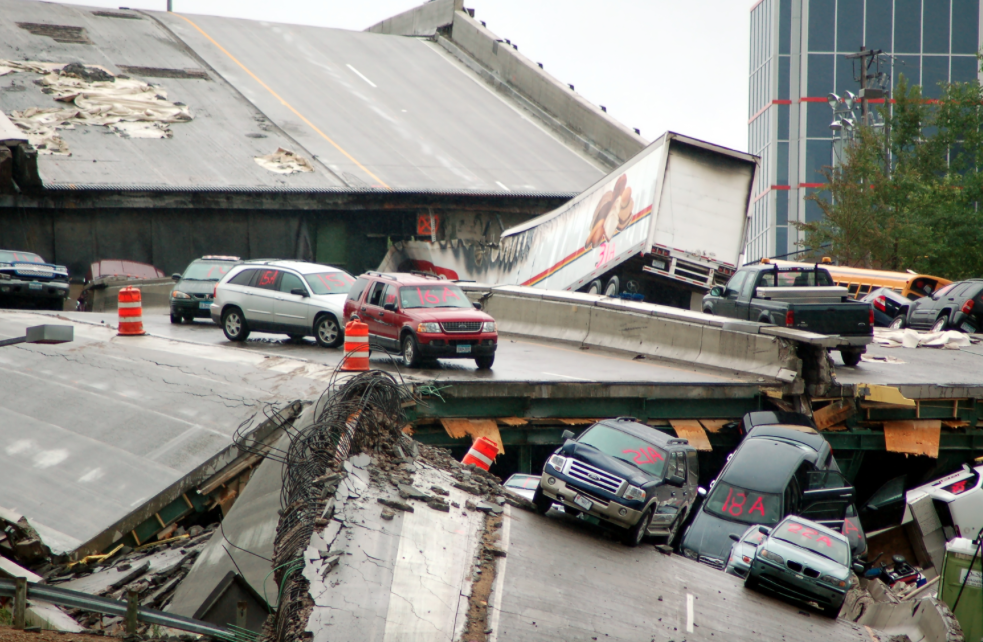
x=968, y=327
x=34, y=285
x=204, y=305
x=583, y=502
x=464, y=348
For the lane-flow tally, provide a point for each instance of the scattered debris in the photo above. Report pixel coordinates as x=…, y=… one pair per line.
x=284, y=161
x=909, y=338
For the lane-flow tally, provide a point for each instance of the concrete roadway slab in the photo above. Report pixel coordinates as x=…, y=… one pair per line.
x=562, y=580
x=517, y=360
x=918, y=366
x=89, y=430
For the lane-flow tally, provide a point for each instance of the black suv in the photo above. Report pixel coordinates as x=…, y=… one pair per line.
x=958, y=306
x=625, y=473
x=25, y=279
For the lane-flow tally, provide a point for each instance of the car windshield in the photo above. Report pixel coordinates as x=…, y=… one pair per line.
x=7, y=256
x=741, y=505
x=337, y=282
x=522, y=481
x=438, y=295
x=621, y=445
x=207, y=270
x=809, y=538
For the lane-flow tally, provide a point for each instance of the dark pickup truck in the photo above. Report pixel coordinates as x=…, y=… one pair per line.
x=26, y=280
x=796, y=297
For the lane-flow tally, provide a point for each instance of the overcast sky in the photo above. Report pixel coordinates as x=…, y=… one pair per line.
x=655, y=64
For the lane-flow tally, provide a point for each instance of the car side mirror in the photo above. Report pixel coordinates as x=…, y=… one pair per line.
x=391, y=307
x=675, y=480
x=299, y=291
x=764, y=530
x=566, y=434
x=477, y=306
x=176, y=277
x=701, y=491
x=716, y=291
x=735, y=537
x=858, y=568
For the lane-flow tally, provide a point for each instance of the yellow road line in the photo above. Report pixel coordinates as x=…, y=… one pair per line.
x=282, y=101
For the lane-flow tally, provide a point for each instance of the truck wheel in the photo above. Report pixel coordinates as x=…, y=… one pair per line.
x=485, y=363
x=613, y=287
x=852, y=356
x=595, y=287
x=677, y=524
x=897, y=323
x=633, y=536
x=941, y=324
x=411, y=353
x=542, y=502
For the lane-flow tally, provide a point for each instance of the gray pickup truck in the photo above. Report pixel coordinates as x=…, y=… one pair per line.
x=796, y=297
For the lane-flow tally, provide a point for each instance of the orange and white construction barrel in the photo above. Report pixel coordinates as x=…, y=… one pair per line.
x=356, y=347
x=130, y=306
x=482, y=454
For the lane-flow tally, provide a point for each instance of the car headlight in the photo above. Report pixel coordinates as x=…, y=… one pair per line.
x=177, y=294
x=634, y=493
x=488, y=326
x=431, y=328
x=835, y=581
x=771, y=557
x=557, y=462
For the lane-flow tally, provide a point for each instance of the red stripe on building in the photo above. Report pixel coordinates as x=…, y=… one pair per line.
x=778, y=188
x=766, y=107
x=812, y=185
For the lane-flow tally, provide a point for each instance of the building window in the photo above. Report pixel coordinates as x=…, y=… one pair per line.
x=845, y=78
x=965, y=27
x=783, y=77
x=910, y=66
x=821, y=68
x=781, y=164
x=781, y=241
x=822, y=19
x=935, y=33
x=819, y=155
x=849, y=25
x=782, y=112
x=907, y=26
x=964, y=69
x=818, y=118
x=785, y=26
x=813, y=211
x=878, y=24
x=935, y=69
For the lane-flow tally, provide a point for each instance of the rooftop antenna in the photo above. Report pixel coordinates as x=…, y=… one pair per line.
x=170, y=7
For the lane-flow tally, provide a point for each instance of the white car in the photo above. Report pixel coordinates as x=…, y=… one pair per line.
x=289, y=297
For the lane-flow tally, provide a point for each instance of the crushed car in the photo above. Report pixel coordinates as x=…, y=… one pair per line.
x=27, y=280
x=112, y=272
x=626, y=474
x=958, y=306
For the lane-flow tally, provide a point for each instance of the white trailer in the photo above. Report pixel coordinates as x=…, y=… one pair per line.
x=664, y=227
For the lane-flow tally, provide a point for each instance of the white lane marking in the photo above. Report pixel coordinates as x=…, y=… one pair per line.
x=359, y=74
x=499, y=586
x=553, y=374
x=503, y=186
x=689, y=612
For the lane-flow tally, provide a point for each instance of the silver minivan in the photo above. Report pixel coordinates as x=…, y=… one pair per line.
x=295, y=298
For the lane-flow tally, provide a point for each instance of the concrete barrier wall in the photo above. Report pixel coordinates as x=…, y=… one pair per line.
x=556, y=98
x=924, y=620
x=424, y=20
x=154, y=293
x=642, y=328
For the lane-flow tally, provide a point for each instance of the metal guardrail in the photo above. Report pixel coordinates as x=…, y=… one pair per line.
x=79, y=600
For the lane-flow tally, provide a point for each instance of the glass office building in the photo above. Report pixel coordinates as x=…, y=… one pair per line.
x=797, y=59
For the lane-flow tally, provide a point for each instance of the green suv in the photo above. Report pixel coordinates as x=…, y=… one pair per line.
x=194, y=291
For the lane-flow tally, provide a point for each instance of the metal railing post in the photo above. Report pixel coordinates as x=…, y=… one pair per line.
x=20, y=602
x=132, y=607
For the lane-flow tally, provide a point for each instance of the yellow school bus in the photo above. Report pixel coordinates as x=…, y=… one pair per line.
x=860, y=281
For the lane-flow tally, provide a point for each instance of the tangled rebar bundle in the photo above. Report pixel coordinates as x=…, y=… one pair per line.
x=356, y=413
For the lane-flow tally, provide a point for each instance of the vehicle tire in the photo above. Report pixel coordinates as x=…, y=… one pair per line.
x=188, y=319
x=613, y=287
x=485, y=363
x=595, y=287
x=175, y=318
x=750, y=581
x=898, y=322
x=411, y=352
x=541, y=501
x=832, y=611
x=297, y=338
x=941, y=324
x=327, y=332
x=677, y=525
x=707, y=310
x=636, y=534
x=852, y=356
x=234, y=325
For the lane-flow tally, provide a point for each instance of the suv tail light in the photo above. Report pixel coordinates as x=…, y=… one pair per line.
x=870, y=317
x=215, y=290
x=879, y=303
x=789, y=319
x=968, y=306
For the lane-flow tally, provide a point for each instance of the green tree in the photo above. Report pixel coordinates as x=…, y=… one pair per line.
x=924, y=213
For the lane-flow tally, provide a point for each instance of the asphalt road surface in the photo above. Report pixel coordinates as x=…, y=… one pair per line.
x=564, y=579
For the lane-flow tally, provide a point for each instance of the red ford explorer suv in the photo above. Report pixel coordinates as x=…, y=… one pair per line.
x=422, y=317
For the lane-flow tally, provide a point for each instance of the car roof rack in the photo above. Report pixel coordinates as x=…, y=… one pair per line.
x=678, y=441
x=428, y=275
x=382, y=275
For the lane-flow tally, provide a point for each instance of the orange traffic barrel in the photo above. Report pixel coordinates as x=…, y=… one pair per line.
x=130, y=312
x=356, y=347
x=482, y=454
